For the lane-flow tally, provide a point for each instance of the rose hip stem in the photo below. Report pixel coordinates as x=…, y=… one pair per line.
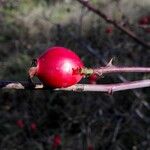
x=113, y=69
x=105, y=70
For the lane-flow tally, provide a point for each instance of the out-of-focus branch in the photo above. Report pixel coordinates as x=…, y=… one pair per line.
x=117, y=25
x=109, y=88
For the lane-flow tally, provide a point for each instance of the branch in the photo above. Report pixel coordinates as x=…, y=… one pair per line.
x=117, y=25
x=114, y=69
x=110, y=88
x=96, y=53
x=110, y=68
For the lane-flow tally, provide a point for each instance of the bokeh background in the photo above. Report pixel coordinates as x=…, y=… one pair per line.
x=36, y=120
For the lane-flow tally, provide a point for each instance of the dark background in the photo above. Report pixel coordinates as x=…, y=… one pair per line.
x=109, y=122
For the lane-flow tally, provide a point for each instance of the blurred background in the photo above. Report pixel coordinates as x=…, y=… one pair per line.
x=45, y=120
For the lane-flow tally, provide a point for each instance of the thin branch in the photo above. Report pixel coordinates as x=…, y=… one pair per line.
x=110, y=88
x=114, y=69
x=117, y=25
x=95, y=53
x=109, y=68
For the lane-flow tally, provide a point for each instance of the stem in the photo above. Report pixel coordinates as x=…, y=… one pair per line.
x=114, y=69
x=113, y=22
x=110, y=88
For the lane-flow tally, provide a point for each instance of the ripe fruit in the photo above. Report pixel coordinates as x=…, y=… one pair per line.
x=92, y=79
x=109, y=30
x=20, y=123
x=58, y=67
x=144, y=20
x=56, y=141
x=90, y=147
x=33, y=126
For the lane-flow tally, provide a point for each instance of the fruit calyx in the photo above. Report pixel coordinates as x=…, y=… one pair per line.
x=86, y=71
x=33, y=69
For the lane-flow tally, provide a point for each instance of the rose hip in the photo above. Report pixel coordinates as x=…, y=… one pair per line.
x=58, y=67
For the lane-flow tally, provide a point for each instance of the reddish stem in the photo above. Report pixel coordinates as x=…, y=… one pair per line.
x=80, y=87
x=109, y=88
x=114, y=69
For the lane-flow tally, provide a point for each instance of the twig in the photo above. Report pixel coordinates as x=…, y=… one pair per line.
x=144, y=26
x=117, y=25
x=110, y=88
x=95, y=53
x=114, y=69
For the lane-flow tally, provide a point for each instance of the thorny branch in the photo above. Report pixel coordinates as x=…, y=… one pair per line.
x=109, y=88
x=125, y=30
x=109, y=68
x=114, y=69
x=94, y=52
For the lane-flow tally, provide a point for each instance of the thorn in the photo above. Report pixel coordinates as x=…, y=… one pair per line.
x=100, y=74
x=110, y=91
x=110, y=63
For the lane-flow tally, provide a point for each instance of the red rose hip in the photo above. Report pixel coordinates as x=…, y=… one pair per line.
x=92, y=79
x=58, y=67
